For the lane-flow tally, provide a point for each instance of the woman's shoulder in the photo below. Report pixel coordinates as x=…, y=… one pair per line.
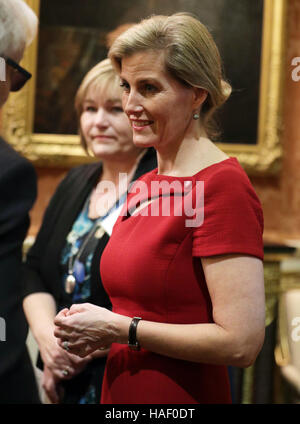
x=86, y=169
x=82, y=173
x=228, y=182
x=75, y=181
x=226, y=172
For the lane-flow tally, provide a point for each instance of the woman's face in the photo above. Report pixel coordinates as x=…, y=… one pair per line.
x=105, y=126
x=159, y=107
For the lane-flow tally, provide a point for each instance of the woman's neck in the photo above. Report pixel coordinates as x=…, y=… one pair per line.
x=112, y=169
x=189, y=158
x=105, y=196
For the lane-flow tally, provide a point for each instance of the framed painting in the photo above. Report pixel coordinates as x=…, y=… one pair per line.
x=40, y=120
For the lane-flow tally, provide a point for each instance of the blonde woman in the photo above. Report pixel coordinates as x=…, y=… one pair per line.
x=62, y=267
x=188, y=298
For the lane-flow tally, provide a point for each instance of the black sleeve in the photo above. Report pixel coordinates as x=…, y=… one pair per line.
x=17, y=195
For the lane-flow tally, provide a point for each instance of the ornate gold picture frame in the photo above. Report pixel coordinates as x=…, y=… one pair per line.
x=262, y=158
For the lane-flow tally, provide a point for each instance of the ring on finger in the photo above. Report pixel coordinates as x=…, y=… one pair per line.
x=66, y=345
x=65, y=372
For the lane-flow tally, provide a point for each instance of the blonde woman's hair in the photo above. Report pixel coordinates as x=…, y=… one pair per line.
x=101, y=78
x=18, y=26
x=191, y=56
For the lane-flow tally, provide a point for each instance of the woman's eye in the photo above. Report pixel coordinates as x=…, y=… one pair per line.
x=117, y=109
x=90, y=109
x=150, y=88
x=124, y=85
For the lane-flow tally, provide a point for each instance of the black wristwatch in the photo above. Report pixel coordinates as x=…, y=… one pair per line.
x=133, y=344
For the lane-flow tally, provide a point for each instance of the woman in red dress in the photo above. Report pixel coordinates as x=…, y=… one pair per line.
x=183, y=267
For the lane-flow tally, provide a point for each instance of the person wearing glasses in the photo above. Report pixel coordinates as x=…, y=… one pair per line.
x=16, y=74
x=18, y=26
x=183, y=268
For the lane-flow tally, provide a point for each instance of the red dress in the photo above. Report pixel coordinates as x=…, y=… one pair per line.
x=151, y=269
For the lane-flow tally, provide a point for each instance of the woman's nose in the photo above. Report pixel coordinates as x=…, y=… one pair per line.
x=101, y=118
x=133, y=104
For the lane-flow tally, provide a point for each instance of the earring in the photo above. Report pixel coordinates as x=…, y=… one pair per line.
x=196, y=116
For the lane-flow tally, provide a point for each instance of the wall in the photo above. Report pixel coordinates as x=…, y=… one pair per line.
x=280, y=196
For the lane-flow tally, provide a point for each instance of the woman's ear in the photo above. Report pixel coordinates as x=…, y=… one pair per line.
x=200, y=95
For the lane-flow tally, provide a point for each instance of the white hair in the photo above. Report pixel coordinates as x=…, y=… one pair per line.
x=18, y=26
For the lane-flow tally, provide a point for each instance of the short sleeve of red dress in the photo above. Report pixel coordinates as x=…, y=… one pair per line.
x=233, y=218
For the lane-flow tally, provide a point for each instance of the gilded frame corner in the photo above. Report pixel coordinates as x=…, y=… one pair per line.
x=263, y=158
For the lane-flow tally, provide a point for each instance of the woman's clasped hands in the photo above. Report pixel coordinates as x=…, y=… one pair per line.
x=85, y=329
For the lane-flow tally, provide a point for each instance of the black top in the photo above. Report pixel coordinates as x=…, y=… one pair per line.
x=17, y=195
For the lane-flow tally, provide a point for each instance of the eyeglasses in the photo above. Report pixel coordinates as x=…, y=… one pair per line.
x=19, y=76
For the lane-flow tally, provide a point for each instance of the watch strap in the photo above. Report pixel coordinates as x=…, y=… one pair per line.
x=132, y=340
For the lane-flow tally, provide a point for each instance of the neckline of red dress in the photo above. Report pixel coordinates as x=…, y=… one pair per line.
x=207, y=169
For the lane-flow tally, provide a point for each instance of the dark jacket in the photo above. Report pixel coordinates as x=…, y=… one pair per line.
x=17, y=195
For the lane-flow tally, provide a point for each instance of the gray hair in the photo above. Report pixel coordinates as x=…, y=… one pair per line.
x=18, y=26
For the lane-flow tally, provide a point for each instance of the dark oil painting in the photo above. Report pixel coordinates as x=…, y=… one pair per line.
x=73, y=38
